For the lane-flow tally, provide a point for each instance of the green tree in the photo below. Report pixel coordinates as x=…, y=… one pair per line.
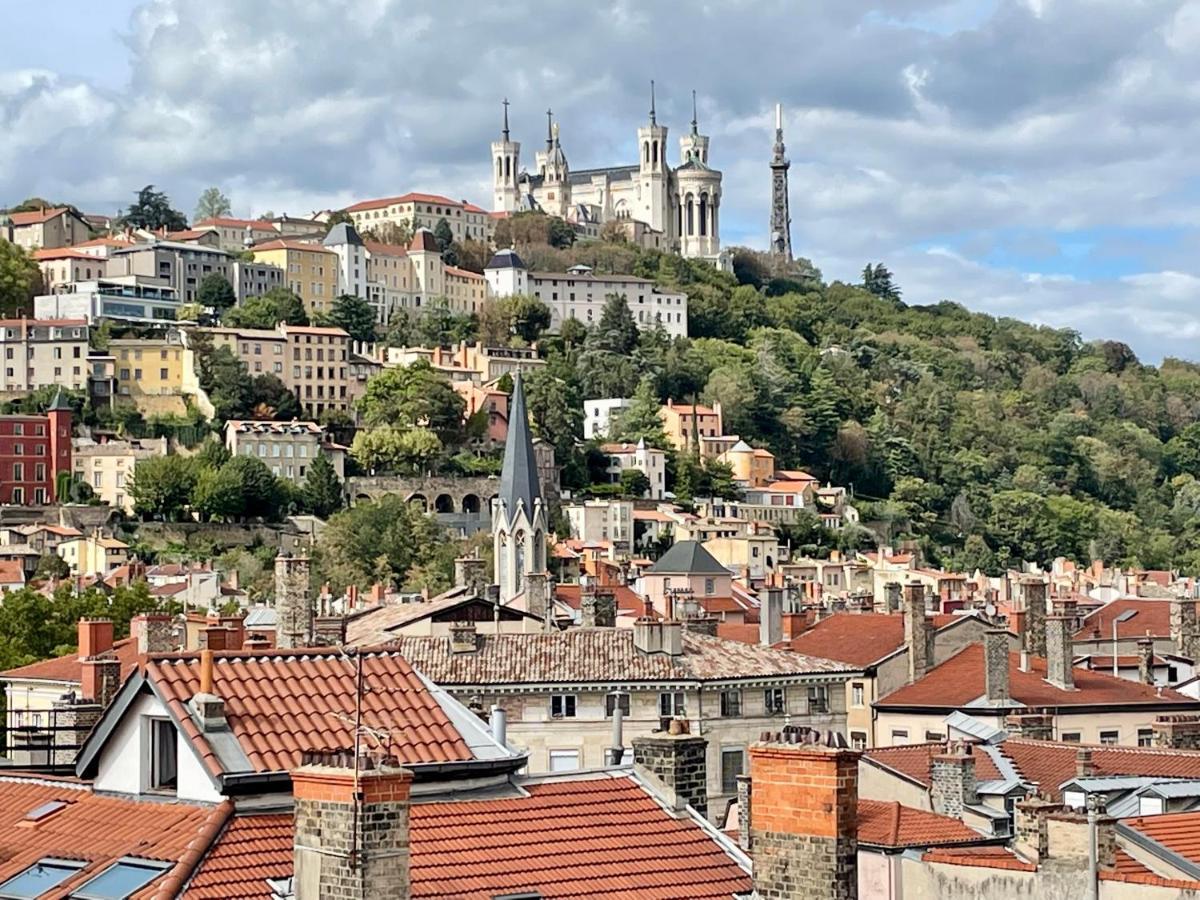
x=878, y=280
x=634, y=483
x=212, y=204
x=322, y=488
x=413, y=396
x=152, y=210
x=242, y=488
x=20, y=280
x=162, y=486
x=377, y=540
x=529, y=317
x=267, y=310
x=216, y=292
x=226, y=381
x=560, y=233
x=270, y=399
x=443, y=235
x=407, y=451
x=338, y=217
x=355, y=316
x=642, y=419
x=616, y=332
x=51, y=565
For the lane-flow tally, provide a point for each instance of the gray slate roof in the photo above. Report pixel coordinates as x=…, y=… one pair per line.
x=505, y=259
x=342, y=233
x=687, y=558
x=519, y=476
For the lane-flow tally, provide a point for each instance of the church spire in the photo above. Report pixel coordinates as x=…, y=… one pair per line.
x=653, y=120
x=505, y=118
x=781, y=220
x=519, y=486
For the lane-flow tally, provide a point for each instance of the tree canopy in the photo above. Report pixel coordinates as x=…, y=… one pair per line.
x=152, y=210
x=212, y=204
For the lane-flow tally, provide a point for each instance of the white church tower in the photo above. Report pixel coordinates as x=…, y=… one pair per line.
x=506, y=157
x=652, y=171
x=519, y=516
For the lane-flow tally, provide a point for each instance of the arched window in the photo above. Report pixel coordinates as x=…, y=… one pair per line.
x=679, y=216
x=655, y=154
x=646, y=151
x=691, y=216
x=507, y=167
x=703, y=215
x=499, y=171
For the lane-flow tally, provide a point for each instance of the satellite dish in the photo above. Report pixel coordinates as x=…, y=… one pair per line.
x=990, y=609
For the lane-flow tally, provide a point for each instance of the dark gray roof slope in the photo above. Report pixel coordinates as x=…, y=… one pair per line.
x=687, y=558
x=342, y=233
x=505, y=259
x=519, y=476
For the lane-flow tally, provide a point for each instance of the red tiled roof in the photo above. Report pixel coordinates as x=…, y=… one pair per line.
x=858, y=639
x=746, y=632
x=981, y=857
x=627, y=600
x=894, y=825
x=423, y=242
x=101, y=829
x=63, y=253
x=404, y=198
x=463, y=273
x=189, y=234
x=375, y=247
x=67, y=668
x=227, y=222
x=250, y=850
x=280, y=704
x=290, y=245
x=1178, y=832
x=916, y=761
x=1051, y=763
x=11, y=572
x=36, y=216
x=597, y=837
x=959, y=680
x=1153, y=617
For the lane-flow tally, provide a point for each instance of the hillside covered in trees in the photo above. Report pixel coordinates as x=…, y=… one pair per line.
x=985, y=440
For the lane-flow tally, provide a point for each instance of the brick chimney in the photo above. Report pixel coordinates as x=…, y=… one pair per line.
x=351, y=829
x=236, y=626
x=953, y=775
x=207, y=707
x=597, y=606
x=95, y=637
x=1060, y=656
x=995, y=666
x=1034, y=592
x=154, y=633
x=1085, y=766
x=770, y=617
x=1145, y=647
x=676, y=764
x=1032, y=725
x=916, y=631
x=1184, y=632
x=803, y=820
x=893, y=597
x=293, y=604
x=329, y=631
x=100, y=670
x=214, y=637
x=651, y=635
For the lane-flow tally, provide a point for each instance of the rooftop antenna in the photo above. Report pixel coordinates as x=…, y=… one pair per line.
x=694, y=126
x=506, y=118
x=652, y=119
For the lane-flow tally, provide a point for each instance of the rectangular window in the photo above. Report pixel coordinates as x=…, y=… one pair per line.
x=562, y=706
x=122, y=879
x=40, y=878
x=858, y=740
x=615, y=701
x=1070, y=737
x=818, y=698
x=670, y=703
x=163, y=762
x=733, y=764
x=857, y=693
x=1109, y=737
x=564, y=760
x=934, y=736
x=774, y=701
x=731, y=703
x=899, y=736
x=1145, y=737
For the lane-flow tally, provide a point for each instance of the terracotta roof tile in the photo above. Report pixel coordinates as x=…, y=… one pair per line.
x=628, y=602
x=1178, y=832
x=883, y=824
x=981, y=857
x=227, y=222
x=67, y=669
x=577, y=838
x=1051, y=763
x=916, y=761
x=858, y=639
x=583, y=655
x=1153, y=616
x=270, y=698
x=959, y=680
x=101, y=829
x=36, y=216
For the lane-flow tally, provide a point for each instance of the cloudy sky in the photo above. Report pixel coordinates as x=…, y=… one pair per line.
x=1033, y=158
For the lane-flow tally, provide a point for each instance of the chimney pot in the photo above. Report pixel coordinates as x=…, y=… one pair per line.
x=95, y=637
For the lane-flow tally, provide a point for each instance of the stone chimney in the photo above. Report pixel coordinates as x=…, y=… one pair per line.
x=916, y=631
x=676, y=764
x=892, y=597
x=207, y=707
x=463, y=638
x=537, y=601
x=953, y=775
x=803, y=818
x=214, y=637
x=1145, y=647
x=1032, y=725
x=995, y=667
x=652, y=635
x=293, y=604
x=701, y=624
x=154, y=632
x=329, y=631
x=470, y=572
x=597, y=606
x=1184, y=632
x=1034, y=591
x=1177, y=732
x=351, y=828
x=1085, y=766
x=770, y=617
x=1060, y=669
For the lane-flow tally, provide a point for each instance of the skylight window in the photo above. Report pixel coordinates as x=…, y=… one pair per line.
x=122, y=879
x=44, y=875
x=40, y=812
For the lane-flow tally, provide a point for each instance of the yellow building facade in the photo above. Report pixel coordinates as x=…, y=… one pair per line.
x=310, y=271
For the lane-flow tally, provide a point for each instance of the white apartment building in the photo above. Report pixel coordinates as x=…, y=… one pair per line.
x=35, y=353
x=287, y=448
x=602, y=520
x=107, y=466
x=649, y=460
x=598, y=415
x=416, y=210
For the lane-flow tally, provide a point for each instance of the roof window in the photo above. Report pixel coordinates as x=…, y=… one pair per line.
x=44, y=875
x=122, y=879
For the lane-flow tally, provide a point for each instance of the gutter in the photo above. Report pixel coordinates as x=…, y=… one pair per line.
x=1153, y=847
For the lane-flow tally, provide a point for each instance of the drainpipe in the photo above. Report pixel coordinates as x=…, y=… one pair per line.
x=1093, y=851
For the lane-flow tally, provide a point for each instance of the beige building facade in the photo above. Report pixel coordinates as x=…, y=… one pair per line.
x=36, y=353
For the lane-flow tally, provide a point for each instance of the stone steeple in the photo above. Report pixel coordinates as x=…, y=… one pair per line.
x=519, y=519
x=781, y=220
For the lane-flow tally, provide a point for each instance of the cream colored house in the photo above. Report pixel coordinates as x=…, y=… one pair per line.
x=35, y=353
x=417, y=210
x=48, y=228
x=286, y=448
x=107, y=466
x=93, y=555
